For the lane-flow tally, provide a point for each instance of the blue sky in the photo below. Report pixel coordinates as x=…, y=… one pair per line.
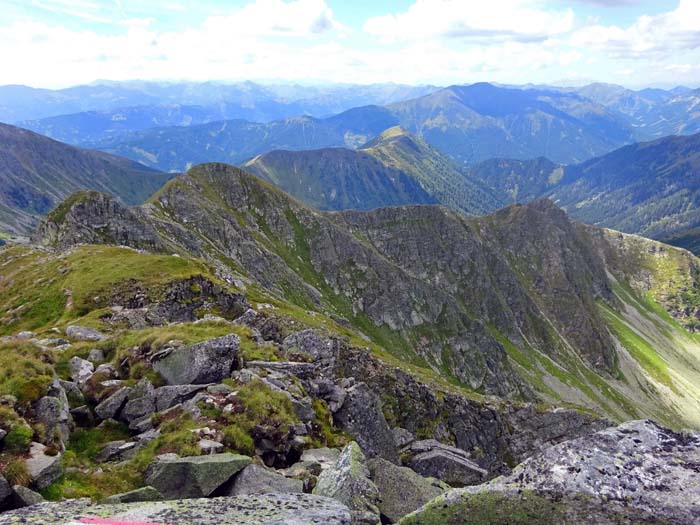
x=57, y=43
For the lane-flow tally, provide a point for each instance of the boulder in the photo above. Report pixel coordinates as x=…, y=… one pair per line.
x=430, y=458
x=361, y=416
x=54, y=414
x=96, y=356
x=208, y=362
x=147, y=493
x=80, y=369
x=348, y=481
x=112, y=406
x=141, y=402
x=169, y=396
x=637, y=472
x=193, y=477
x=326, y=457
x=312, y=343
x=24, y=497
x=5, y=490
x=255, y=479
x=114, y=450
x=402, y=490
x=83, y=333
x=208, y=446
x=43, y=468
x=259, y=509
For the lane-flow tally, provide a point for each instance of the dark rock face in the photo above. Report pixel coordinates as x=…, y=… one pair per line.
x=637, y=472
x=361, y=416
x=193, y=477
x=207, y=362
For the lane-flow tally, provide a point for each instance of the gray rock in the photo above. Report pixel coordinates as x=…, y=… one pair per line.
x=169, y=396
x=313, y=343
x=54, y=414
x=637, y=464
x=26, y=334
x=139, y=495
x=83, y=333
x=80, y=369
x=115, y=450
x=141, y=402
x=207, y=362
x=5, y=490
x=326, y=457
x=24, y=497
x=361, y=416
x=259, y=509
x=42, y=468
x=106, y=369
x=402, y=437
x=402, y=490
x=96, y=356
x=348, y=481
x=111, y=407
x=255, y=479
x=73, y=393
x=209, y=446
x=3, y=433
x=193, y=477
x=430, y=458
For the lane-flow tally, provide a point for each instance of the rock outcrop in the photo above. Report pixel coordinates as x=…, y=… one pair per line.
x=637, y=472
x=207, y=362
x=193, y=477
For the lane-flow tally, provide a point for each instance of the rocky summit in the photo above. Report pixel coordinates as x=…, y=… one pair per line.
x=224, y=353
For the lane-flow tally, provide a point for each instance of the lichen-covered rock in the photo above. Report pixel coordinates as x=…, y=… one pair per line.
x=361, y=416
x=54, y=414
x=43, y=468
x=80, y=369
x=146, y=493
x=261, y=509
x=206, y=362
x=193, y=477
x=402, y=490
x=326, y=457
x=83, y=333
x=255, y=479
x=348, y=481
x=430, y=458
x=311, y=343
x=637, y=472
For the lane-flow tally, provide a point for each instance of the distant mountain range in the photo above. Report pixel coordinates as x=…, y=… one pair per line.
x=246, y=100
x=36, y=173
x=467, y=123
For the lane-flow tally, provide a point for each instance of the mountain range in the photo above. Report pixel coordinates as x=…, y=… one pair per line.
x=523, y=303
x=36, y=173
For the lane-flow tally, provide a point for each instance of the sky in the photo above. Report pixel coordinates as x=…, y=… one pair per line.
x=636, y=43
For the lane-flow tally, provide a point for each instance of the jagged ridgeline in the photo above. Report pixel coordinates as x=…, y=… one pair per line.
x=523, y=304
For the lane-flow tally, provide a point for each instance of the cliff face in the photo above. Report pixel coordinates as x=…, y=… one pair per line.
x=523, y=303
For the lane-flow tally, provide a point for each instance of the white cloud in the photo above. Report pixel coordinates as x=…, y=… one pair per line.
x=663, y=34
x=489, y=20
x=298, y=18
x=436, y=41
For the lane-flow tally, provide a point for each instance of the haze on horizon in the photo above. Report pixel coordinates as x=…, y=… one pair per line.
x=636, y=43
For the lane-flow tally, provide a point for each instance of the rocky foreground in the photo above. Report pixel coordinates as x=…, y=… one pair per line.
x=636, y=473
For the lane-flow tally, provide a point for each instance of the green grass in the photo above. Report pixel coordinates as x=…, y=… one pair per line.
x=639, y=348
x=24, y=373
x=38, y=288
